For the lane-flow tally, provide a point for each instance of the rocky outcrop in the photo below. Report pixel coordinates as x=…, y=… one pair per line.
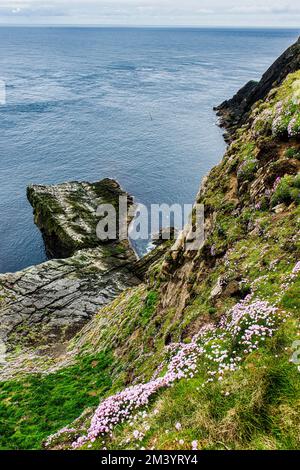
x=49, y=303
x=66, y=214
x=233, y=113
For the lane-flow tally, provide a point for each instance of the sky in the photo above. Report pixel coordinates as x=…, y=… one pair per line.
x=240, y=13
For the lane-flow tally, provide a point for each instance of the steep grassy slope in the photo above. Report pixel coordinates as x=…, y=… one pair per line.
x=202, y=353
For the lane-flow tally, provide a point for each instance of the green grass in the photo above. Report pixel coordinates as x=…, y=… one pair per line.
x=287, y=191
x=149, y=308
x=257, y=407
x=291, y=298
x=292, y=152
x=36, y=406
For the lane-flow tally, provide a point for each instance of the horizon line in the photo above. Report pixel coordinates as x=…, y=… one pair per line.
x=79, y=25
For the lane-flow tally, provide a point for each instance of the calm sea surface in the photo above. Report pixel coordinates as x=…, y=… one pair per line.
x=131, y=104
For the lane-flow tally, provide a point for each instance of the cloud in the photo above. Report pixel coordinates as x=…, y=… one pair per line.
x=265, y=10
x=34, y=8
x=81, y=9
x=205, y=11
x=156, y=12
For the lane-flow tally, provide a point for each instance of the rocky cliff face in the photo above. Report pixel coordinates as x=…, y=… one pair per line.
x=257, y=182
x=201, y=354
x=233, y=113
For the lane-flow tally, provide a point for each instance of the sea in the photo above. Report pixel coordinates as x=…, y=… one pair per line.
x=133, y=104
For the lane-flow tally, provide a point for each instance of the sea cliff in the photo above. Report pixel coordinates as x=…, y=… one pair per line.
x=200, y=351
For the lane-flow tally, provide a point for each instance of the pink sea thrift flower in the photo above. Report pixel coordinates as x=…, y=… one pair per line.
x=195, y=445
x=296, y=269
x=248, y=323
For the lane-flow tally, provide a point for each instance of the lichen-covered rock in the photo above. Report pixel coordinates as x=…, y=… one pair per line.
x=66, y=213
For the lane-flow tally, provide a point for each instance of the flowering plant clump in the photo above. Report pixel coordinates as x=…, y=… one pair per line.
x=120, y=407
x=248, y=324
x=241, y=331
x=251, y=324
x=62, y=432
x=221, y=348
x=117, y=408
x=296, y=269
x=286, y=190
x=294, y=126
x=291, y=277
x=247, y=169
x=286, y=119
x=262, y=124
x=276, y=183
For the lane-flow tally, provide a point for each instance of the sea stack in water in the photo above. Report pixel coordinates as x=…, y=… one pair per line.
x=66, y=214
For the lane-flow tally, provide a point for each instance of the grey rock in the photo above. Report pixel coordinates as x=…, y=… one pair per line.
x=67, y=216
x=56, y=306
x=50, y=302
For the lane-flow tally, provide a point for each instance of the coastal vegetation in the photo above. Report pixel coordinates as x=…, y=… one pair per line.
x=203, y=353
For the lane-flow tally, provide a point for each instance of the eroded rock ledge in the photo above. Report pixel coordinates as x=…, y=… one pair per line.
x=49, y=303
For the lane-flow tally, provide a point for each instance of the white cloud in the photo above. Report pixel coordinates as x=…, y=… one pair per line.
x=265, y=10
x=165, y=12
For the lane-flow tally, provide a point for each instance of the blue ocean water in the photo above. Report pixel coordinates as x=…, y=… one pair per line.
x=131, y=104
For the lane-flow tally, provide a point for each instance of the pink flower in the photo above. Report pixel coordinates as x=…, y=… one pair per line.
x=296, y=269
x=249, y=323
x=195, y=445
